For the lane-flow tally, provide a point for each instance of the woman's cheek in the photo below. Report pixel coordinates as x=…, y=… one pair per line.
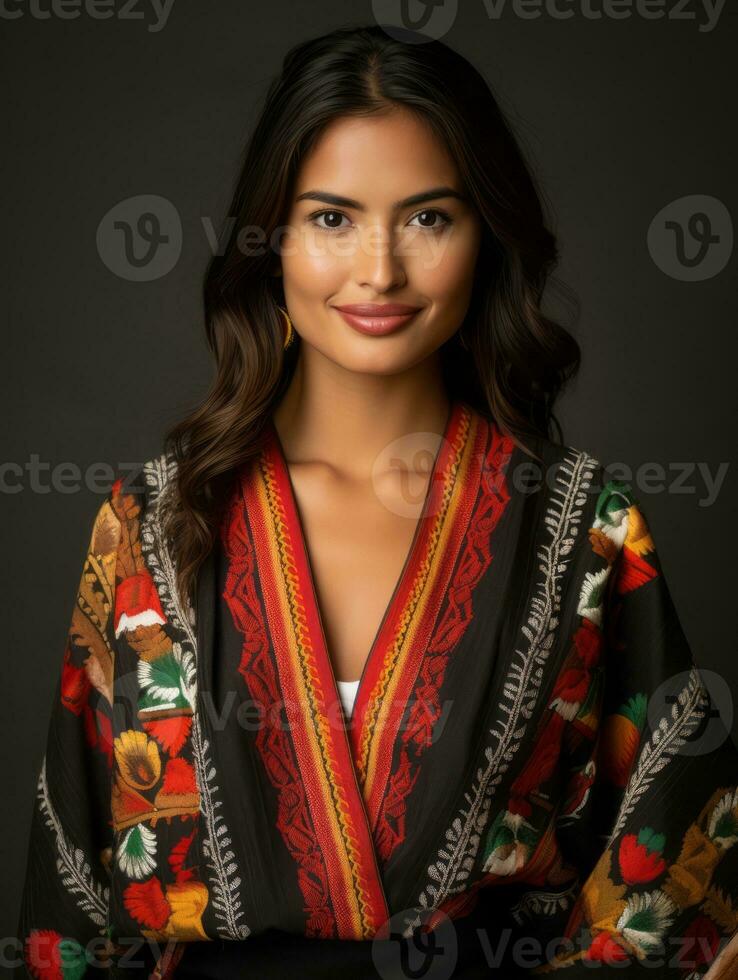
x=312, y=272
x=448, y=281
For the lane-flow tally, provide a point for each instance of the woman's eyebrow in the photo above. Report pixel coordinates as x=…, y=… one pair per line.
x=347, y=202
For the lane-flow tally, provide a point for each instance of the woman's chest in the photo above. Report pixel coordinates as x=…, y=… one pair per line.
x=357, y=540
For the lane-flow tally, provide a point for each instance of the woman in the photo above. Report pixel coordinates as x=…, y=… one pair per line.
x=399, y=688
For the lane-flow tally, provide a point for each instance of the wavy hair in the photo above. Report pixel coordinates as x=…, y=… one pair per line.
x=508, y=359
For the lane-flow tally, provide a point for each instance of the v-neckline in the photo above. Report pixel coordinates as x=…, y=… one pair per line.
x=295, y=524
x=344, y=764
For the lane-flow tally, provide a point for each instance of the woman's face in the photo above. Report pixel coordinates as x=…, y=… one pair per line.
x=375, y=220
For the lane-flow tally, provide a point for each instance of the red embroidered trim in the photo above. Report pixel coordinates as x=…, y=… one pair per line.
x=425, y=706
x=277, y=753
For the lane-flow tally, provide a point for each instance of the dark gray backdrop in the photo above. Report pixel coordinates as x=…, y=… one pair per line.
x=621, y=117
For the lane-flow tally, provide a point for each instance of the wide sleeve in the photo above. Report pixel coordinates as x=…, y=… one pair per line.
x=651, y=811
x=65, y=900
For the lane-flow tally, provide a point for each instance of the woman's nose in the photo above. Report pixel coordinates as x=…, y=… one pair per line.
x=377, y=261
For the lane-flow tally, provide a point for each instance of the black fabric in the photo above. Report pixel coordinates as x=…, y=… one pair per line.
x=278, y=955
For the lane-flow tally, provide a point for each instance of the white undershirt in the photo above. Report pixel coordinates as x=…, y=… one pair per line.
x=347, y=691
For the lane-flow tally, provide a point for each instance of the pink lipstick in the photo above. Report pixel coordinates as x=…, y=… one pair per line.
x=377, y=319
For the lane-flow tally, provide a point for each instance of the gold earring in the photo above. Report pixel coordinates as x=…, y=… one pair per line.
x=290, y=330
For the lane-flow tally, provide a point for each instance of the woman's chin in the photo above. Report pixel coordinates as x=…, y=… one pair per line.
x=382, y=360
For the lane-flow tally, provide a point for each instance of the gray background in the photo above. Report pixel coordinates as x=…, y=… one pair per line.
x=619, y=117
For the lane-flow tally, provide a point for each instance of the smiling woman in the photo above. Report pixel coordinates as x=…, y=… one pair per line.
x=379, y=241
x=399, y=687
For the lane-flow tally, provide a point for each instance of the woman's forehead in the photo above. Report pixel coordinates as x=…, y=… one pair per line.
x=392, y=155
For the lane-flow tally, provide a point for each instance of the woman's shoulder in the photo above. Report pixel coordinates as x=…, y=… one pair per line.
x=536, y=458
x=532, y=443
x=574, y=482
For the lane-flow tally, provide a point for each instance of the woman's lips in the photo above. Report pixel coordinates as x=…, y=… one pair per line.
x=377, y=319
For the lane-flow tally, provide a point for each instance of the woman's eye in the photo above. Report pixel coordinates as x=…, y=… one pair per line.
x=432, y=218
x=428, y=219
x=332, y=219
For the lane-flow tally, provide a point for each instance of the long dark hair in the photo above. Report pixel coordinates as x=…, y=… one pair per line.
x=513, y=361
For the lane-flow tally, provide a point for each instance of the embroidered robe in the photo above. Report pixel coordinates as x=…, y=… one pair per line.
x=531, y=737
